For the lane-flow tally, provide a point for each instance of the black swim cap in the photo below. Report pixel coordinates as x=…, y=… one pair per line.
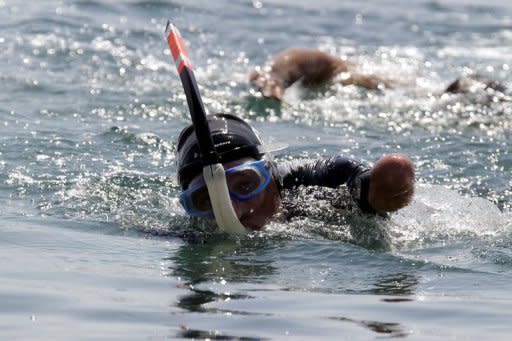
x=233, y=139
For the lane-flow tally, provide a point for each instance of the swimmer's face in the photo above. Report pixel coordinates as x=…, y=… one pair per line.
x=255, y=213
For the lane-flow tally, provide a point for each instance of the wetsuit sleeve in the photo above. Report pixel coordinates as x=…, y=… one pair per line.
x=331, y=172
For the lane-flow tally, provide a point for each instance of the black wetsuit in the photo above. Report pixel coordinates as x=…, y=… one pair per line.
x=332, y=173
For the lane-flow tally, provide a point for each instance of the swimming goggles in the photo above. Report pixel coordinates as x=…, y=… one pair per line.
x=244, y=182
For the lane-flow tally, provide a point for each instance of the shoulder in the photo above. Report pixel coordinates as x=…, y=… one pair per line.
x=290, y=166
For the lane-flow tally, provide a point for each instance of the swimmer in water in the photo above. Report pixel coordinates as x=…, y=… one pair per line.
x=314, y=67
x=311, y=67
x=255, y=181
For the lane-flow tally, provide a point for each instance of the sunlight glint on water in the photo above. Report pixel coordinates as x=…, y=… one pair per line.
x=94, y=244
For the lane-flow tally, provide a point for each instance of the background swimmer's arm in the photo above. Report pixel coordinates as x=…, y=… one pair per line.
x=371, y=82
x=353, y=76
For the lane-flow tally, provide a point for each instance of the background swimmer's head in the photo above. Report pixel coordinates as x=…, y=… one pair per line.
x=475, y=83
x=233, y=138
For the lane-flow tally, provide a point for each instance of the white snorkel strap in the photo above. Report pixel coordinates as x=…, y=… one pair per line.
x=213, y=172
x=225, y=215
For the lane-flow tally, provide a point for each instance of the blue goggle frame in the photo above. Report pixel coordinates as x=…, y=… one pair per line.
x=260, y=166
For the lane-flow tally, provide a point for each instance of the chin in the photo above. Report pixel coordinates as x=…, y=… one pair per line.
x=252, y=225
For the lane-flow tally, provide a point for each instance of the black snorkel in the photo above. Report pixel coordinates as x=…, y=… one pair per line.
x=213, y=171
x=195, y=104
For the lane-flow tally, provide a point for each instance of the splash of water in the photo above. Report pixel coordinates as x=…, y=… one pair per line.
x=440, y=215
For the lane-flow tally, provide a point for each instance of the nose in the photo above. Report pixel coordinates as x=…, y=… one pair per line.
x=241, y=208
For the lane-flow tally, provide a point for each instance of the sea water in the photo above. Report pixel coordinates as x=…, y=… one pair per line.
x=93, y=242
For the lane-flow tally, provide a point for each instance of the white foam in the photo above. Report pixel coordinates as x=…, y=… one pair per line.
x=439, y=214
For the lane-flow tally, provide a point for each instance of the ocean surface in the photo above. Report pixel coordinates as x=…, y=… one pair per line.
x=93, y=242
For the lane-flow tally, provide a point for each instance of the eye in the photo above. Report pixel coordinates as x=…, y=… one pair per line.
x=244, y=182
x=201, y=200
x=245, y=187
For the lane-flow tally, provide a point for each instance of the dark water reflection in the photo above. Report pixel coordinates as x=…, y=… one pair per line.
x=195, y=301
x=203, y=265
x=400, y=283
x=213, y=335
x=220, y=258
x=390, y=328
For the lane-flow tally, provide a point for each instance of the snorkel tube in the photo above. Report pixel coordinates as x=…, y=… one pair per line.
x=213, y=171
